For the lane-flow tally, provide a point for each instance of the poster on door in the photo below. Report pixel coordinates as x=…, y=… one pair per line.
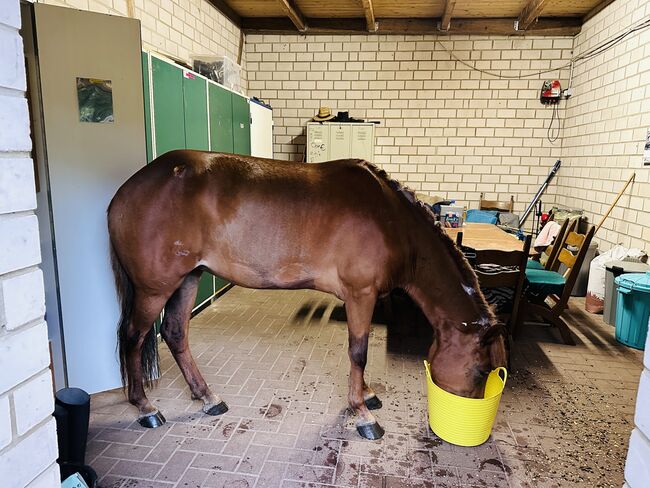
x=95, y=100
x=646, y=150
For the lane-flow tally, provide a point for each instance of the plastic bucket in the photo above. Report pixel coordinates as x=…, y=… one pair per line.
x=464, y=421
x=633, y=309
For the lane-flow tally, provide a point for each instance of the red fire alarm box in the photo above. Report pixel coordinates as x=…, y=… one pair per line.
x=551, y=92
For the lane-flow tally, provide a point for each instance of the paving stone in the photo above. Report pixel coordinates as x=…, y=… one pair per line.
x=279, y=358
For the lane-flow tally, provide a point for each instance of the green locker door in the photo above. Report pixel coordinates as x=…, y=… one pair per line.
x=195, y=100
x=241, y=125
x=220, y=102
x=147, y=105
x=168, y=110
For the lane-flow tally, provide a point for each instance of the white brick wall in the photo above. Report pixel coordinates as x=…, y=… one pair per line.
x=27, y=429
x=605, y=127
x=179, y=28
x=445, y=129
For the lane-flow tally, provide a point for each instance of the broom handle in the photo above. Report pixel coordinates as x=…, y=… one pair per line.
x=611, y=207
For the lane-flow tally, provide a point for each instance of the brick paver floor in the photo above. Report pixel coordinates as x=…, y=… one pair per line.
x=279, y=360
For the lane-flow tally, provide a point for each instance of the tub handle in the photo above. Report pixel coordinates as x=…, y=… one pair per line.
x=624, y=291
x=503, y=374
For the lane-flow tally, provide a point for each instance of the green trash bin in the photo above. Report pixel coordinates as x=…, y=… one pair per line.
x=633, y=309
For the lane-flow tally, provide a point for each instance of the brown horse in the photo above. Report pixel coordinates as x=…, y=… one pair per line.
x=342, y=227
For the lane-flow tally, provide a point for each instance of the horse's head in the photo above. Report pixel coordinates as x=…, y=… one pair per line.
x=462, y=358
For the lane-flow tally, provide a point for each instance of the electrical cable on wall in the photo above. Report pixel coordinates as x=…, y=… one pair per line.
x=553, y=134
x=595, y=51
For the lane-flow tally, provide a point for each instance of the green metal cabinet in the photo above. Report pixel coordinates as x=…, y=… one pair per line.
x=220, y=102
x=241, y=125
x=189, y=112
x=195, y=100
x=168, y=106
x=195, y=105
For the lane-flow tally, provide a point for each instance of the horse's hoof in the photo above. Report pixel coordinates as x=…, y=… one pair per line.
x=217, y=409
x=373, y=403
x=152, y=420
x=370, y=431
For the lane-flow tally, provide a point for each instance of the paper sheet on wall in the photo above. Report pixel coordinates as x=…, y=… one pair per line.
x=646, y=150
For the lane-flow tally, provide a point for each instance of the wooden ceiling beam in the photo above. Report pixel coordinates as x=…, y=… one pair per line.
x=445, y=21
x=369, y=11
x=552, y=26
x=226, y=10
x=598, y=8
x=294, y=14
x=531, y=11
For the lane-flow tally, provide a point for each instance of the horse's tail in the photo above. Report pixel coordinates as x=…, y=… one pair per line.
x=149, y=355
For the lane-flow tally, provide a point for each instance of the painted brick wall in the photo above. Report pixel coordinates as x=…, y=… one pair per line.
x=27, y=429
x=605, y=126
x=445, y=129
x=179, y=28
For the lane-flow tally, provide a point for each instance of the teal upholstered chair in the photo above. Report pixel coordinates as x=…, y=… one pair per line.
x=548, y=291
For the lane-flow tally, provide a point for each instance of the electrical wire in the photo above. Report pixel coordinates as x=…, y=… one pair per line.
x=595, y=51
x=553, y=134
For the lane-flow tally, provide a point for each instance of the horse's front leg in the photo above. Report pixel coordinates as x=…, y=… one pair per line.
x=174, y=331
x=359, y=312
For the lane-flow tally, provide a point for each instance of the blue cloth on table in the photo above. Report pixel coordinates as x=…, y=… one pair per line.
x=482, y=216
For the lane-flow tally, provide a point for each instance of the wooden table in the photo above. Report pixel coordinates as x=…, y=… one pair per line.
x=486, y=236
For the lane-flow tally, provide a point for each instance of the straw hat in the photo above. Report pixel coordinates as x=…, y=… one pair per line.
x=324, y=113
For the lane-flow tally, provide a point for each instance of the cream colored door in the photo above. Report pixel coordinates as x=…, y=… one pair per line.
x=86, y=162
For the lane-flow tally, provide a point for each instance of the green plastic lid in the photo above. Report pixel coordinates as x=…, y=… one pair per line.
x=635, y=281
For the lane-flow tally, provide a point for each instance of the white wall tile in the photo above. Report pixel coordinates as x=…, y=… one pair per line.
x=17, y=190
x=23, y=298
x=23, y=353
x=5, y=421
x=26, y=460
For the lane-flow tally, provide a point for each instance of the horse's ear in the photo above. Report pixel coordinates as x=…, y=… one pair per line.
x=498, y=353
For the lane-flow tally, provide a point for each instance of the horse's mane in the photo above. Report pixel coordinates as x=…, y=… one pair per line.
x=466, y=271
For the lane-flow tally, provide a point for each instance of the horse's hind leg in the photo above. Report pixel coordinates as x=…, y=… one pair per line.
x=144, y=312
x=174, y=331
x=359, y=312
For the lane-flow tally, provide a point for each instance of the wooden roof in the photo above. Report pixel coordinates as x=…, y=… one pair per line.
x=516, y=17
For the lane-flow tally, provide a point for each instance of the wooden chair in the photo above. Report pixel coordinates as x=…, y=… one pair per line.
x=551, y=252
x=548, y=291
x=507, y=206
x=513, y=278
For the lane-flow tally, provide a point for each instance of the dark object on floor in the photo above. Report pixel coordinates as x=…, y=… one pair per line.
x=72, y=414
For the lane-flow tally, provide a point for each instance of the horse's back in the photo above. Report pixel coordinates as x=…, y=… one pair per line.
x=253, y=221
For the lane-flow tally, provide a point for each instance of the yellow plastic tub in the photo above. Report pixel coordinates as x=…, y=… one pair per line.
x=464, y=421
